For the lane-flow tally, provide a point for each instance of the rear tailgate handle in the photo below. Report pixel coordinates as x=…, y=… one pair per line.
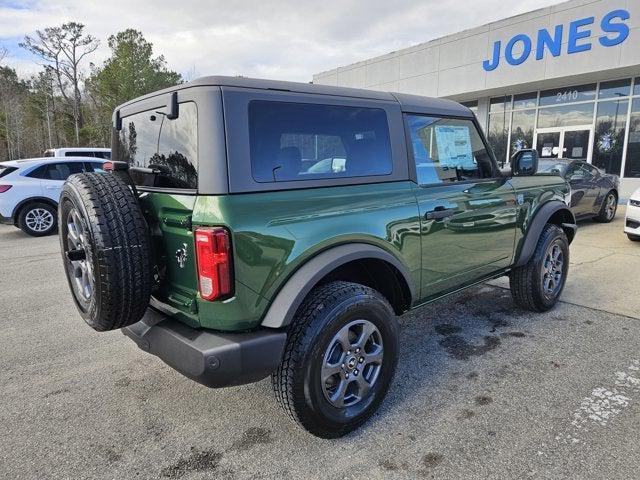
x=439, y=213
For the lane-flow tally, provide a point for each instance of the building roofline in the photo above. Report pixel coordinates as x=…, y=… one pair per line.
x=442, y=39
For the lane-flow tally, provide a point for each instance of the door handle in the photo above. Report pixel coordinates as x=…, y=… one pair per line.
x=52, y=188
x=439, y=213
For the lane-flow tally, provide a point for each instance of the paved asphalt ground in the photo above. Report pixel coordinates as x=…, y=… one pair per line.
x=482, y=390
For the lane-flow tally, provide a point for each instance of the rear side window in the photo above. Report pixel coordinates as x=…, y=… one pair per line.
x=6, y=170
x=78, y=154
x=295, y=141
x=105, y=155
x=170, y=147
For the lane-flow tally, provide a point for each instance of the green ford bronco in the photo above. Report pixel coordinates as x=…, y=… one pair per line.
x=249, y=228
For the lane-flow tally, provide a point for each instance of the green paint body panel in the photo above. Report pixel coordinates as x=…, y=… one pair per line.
x=274, y=233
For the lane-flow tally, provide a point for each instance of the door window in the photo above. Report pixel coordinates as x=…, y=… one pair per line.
x=579, y=171
x=448, y=150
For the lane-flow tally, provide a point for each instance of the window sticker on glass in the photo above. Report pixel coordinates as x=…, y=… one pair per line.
x=454, y=146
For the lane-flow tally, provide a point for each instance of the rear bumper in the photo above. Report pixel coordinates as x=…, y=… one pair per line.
x=211, y=358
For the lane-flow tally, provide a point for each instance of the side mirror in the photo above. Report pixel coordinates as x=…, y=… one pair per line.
x=524, y=162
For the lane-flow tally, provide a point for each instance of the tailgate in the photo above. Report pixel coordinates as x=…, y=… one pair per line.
x=169, y=219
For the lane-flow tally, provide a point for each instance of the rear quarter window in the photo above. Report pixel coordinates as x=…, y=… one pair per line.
x=150, y=140
x=296, y=141
x=4, y=171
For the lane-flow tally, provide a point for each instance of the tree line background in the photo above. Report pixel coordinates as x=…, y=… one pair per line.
x=71, y=100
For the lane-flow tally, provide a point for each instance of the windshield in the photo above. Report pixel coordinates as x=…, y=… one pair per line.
x=553, y=168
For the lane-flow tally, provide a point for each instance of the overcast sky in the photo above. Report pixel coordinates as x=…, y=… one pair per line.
x=288, y=40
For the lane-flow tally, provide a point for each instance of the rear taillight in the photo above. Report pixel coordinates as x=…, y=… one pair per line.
x=4, y=188
x=213, y=255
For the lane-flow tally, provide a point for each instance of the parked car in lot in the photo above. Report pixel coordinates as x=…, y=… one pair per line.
x=632, y=220
x=231, y=259
x=30, y=190
x=594, y=194
x=104, y=153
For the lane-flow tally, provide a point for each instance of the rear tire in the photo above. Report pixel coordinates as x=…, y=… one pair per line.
x=38, y=219
x=608, y=209
x=106, y=250
x=339, y=360
x=538, y=284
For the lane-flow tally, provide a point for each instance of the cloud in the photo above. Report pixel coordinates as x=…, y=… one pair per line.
x=280, y=39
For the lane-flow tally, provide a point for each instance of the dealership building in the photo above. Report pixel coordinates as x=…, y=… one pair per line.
x=563, y=79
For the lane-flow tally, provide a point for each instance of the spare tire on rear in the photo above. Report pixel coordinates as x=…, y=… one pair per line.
x=106, y=250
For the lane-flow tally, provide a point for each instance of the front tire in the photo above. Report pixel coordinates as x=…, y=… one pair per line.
x=340, y=358
x=38, y=219
x=608, y=209
x=538, y=284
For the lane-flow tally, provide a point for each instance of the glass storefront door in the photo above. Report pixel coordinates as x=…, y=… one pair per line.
x=576, y=144
x=568, y=142
x=548, y=145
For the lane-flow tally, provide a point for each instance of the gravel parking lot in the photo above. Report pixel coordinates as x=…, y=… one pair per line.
x=483, y=389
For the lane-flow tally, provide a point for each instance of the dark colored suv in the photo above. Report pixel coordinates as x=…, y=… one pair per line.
x=252, y=228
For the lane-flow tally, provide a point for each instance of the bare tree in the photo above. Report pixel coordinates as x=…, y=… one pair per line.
x=3, y=54
x=64, y=48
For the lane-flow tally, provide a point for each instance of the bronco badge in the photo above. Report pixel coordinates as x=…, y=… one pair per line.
x=181, y=255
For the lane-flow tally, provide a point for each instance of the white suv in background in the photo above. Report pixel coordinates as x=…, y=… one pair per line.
x=632, y=220
x=104, y=153
x=30, y=190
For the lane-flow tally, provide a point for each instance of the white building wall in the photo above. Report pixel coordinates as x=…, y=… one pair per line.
x=452, y=66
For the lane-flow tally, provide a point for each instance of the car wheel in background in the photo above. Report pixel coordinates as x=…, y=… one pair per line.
x=106, y=250
x=608, y=209
x=339, y=360
x=537, y=285
x=38, y=219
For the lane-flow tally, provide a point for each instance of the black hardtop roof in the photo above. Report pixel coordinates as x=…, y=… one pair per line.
x=409, y=103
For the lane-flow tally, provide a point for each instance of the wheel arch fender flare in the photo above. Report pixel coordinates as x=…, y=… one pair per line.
x=289, y=298
x=27, y=201
x=555, y=212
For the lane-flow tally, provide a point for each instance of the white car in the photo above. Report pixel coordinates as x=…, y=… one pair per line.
x=104, y=153
x=632, y=220
x=30, y=190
